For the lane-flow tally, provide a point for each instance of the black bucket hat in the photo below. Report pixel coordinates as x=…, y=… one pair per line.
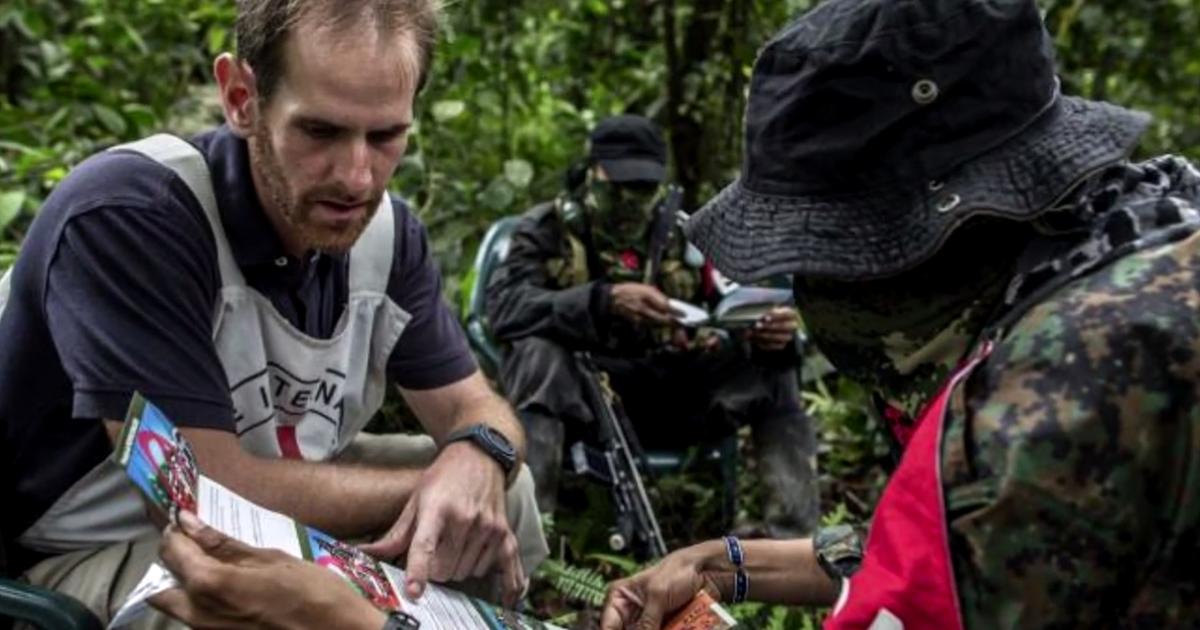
x=874, y=128
x=629, y=149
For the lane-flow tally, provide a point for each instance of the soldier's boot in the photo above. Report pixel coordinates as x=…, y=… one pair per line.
x=785, y=448
x=544, y=437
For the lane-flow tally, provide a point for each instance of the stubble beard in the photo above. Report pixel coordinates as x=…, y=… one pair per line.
x=296, y=211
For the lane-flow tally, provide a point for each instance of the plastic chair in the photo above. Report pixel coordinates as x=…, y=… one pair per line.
x=43, y=608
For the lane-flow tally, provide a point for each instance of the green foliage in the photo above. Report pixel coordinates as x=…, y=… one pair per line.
x=77, y=76
x=577, y=584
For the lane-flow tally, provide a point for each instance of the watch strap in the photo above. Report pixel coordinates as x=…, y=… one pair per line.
x=839, y=551
x=471, y=434
x=397, y=620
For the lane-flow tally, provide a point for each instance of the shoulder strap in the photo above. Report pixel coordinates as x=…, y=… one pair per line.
x=188, y=163
x=372, y=256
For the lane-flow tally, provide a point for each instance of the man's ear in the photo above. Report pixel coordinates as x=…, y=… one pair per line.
x=239, y=93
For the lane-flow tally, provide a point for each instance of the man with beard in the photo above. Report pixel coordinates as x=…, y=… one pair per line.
x=261, y=286
x=977, y=249
x=594, y=270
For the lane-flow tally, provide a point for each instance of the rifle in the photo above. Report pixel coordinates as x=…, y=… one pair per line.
x=621, y=464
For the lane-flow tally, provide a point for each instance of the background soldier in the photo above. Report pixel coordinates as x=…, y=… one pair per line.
x=590, y=270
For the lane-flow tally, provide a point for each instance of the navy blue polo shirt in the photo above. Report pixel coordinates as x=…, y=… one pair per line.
x=114, y=291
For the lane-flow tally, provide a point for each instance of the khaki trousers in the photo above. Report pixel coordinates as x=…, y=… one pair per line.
x=101, y=578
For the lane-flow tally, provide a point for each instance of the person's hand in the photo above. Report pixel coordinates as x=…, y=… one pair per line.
x=226, y=584
x=775, y=330
x=638, y=302
x=454, y=526
x=709, y=340
x=644, y=600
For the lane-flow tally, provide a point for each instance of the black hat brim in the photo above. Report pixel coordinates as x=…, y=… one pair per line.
x=868, y=234
x=624, y=170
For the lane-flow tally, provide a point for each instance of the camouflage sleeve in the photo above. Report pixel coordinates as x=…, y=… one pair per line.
x=523, y=299
x=1072, y=459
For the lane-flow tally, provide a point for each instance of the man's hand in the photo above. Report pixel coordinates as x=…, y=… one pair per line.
x=225, y=584
x=775, y=330
x=454, y=526
x=644, y=600
x=639, y=303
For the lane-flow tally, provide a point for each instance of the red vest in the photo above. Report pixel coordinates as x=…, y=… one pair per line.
x=907, y=580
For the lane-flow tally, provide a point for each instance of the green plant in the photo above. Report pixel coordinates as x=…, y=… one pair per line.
x=577, y=584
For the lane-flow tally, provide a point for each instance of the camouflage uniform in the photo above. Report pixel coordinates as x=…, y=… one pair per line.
x=551, y=296
x=1071, y=460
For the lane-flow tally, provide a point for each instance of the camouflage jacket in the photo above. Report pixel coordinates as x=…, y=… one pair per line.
x=550, y=286
x=1071, y=458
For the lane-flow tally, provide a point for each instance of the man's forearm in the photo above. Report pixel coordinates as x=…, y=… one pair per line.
x=342, y=499
x=780, y=572
x=346, y=500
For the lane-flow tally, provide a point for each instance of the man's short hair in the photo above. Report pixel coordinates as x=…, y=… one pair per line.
x=263, y=26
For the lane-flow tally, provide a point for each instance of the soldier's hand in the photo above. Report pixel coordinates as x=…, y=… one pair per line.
x=644, y=600
x=775, y=330
x=640, y=303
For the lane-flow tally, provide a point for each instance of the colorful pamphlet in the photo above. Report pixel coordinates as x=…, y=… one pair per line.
x=702, y=613
x=160, y=464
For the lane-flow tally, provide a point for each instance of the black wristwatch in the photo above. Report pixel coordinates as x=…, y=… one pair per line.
x=397, y=620
x=492, y=442
x=839, y=551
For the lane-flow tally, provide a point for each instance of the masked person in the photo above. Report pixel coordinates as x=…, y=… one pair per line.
x=260, y=285
x=978, y=249
x=593, y=270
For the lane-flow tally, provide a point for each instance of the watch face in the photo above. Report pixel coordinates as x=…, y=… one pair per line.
x=497, y=440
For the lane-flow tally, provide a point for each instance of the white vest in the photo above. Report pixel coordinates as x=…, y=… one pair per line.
x=293, y=395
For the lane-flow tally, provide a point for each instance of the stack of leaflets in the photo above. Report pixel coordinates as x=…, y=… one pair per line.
x=161, y=465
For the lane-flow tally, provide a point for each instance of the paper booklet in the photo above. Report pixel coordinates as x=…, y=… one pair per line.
x=160, y=463
x=741, y=308
x=702, y=613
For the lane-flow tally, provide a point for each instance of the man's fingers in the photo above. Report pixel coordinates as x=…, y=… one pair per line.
x=177, y=604
x=395, y=542
x=611, y=618
x=421, y=554
x=213, y=542
x=652, y=614
x=663, y=314
x=451, y=544
x=183, y=556
x=512, y=574
x=774, y=337
x=476, y=541
x=622, y=605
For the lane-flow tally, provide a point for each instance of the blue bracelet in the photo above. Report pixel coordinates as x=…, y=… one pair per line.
x=733, y=547
x=741, y=581
x=741, y=586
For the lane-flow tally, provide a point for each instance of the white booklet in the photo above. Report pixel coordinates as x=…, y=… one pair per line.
x=741, y=308
x=160, y=464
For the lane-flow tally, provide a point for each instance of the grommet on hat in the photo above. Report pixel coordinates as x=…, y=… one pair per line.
x=948, y=203
x=925, y=91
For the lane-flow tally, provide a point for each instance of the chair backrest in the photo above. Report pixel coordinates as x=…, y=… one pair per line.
x=492, y=251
